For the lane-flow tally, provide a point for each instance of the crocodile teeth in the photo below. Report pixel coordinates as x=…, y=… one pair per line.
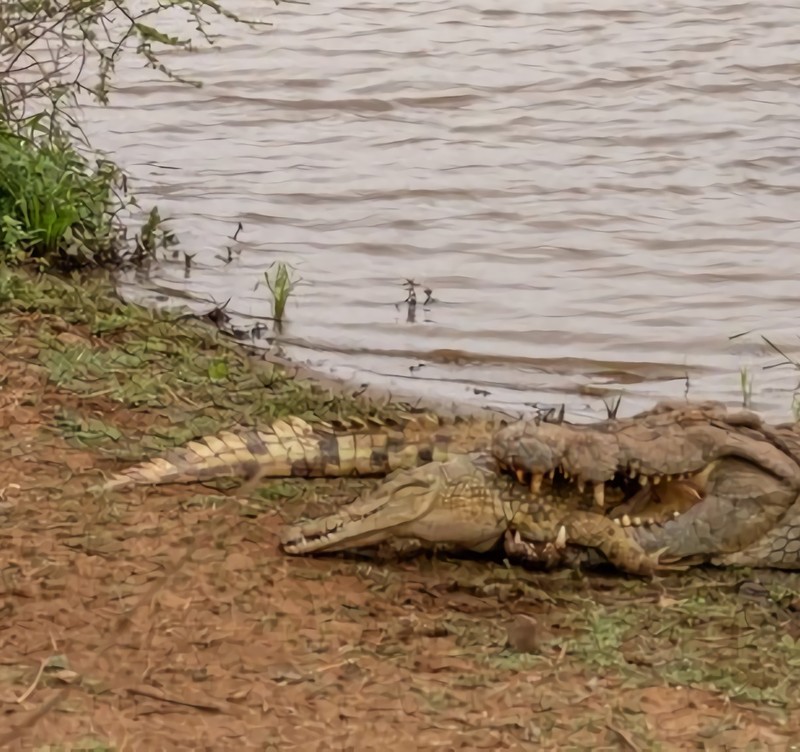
x=656, y=480
x=517, y=538
x=616, y=521
x=600, y=494
x=565, y=473
x=626, y=521
x=637, y=521
x=551, y=474
x=643, y=480
x=676, y=514
x=561, y=538
x=581, y=484
x=521, y=476
x=536, y=482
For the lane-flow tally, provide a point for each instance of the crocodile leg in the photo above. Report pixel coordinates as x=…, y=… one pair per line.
x=543, y=555
x=590, y=530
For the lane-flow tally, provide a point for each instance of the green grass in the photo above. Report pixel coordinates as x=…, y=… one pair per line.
x=56, y=207
x=184, y=375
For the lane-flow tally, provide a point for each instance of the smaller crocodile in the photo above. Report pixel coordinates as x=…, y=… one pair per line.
x=681, y=483
x=468, y=504
x=443, y=488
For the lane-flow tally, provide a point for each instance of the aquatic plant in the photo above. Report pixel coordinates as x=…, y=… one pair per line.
x=281, y=284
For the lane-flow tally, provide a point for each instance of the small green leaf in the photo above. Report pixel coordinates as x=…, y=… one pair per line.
x=218, y=370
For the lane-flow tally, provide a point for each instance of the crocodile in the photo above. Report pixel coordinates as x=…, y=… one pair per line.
x=442, y=487
x=714, y=486
x=681, y=483
x=467, y=503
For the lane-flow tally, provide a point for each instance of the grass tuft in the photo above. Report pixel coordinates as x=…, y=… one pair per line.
x=280, y=284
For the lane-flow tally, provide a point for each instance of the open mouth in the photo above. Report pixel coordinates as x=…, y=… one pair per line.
x=630, y=498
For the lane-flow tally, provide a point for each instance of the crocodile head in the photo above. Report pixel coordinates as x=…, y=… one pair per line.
x=460, y=504
x=696, y=480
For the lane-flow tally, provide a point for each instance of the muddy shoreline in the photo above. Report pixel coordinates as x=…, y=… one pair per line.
x=168, y=618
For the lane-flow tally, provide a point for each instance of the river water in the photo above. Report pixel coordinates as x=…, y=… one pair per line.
x=599, y=196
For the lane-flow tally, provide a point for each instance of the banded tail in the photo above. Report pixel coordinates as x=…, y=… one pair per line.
x=294, y=448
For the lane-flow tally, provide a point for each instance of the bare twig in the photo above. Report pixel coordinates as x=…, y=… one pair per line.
x=157, y=694
x=30, y=690
x=787, y=360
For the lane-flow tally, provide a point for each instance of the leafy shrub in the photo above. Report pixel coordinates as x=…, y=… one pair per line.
x=56, y=207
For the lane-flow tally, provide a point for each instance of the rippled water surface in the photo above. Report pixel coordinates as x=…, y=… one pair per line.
x=599, y=196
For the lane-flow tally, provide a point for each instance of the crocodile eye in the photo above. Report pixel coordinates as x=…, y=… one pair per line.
x=411, y=487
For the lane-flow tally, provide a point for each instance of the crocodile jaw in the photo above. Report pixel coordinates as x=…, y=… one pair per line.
x=365, y=522
x=314, y=537
x=666, y=443
x=740, y=504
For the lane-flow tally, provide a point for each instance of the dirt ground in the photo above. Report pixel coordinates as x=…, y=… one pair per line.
x=168, y=619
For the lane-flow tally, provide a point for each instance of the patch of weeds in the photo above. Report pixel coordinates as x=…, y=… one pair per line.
x=10, y=286
x=282, y=490
x=88, y=371
x=601, y=640
x=148, y=373
x=710, y=640
x=109, y=323
x=179, y=367
x=85, y=432
x=510, y=660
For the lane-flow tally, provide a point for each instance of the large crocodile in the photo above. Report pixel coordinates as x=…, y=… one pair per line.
x=724, y=487
x=682, y=483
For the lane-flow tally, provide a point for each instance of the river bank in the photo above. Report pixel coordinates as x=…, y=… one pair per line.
x=169, y=619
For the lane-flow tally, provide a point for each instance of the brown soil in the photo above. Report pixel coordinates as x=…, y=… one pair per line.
x=169, y=619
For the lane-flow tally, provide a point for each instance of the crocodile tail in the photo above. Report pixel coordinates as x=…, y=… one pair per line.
x=294, y=448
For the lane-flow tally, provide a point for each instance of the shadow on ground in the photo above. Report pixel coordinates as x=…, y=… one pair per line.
x=168, y=619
